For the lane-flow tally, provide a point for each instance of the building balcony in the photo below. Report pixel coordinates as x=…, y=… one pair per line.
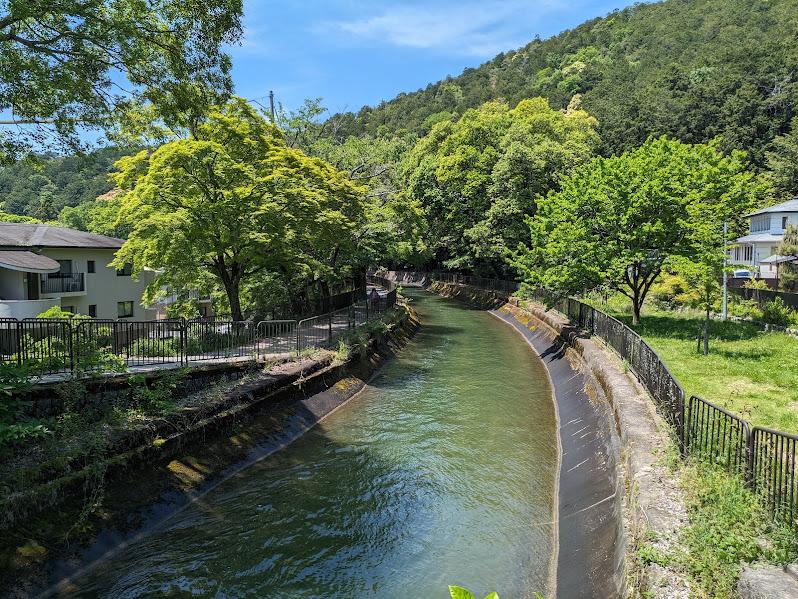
x=63, y=282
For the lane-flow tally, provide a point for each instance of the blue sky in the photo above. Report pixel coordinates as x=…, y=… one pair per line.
x=355, y=52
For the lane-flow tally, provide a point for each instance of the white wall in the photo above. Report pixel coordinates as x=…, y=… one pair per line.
x=20, y=309
x=103, y=287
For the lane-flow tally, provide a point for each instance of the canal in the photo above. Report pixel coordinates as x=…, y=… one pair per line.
x=442, y=471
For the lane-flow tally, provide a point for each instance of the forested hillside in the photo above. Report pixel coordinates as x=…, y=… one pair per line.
x=693, y=69
x=41, y=189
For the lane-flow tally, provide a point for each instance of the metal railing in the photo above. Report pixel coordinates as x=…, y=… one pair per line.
x=53, y=346
x=63, y=282
x=764, y=458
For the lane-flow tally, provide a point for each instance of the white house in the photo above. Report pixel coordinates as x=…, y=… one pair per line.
x=43, y=266
x=765, y=233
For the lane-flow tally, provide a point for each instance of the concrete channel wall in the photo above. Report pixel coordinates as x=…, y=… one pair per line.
x=615, y=492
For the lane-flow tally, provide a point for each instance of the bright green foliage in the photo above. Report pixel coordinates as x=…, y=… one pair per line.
x=692, y=70
x=788, y=272
x=61, y=61
x=456, y=592
x=617, y=221
x=99, y=216
x=235, y=202
x=6, y=217
x=477, y=178
x=782, y=161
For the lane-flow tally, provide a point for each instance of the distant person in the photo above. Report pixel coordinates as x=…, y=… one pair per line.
x=374, y=297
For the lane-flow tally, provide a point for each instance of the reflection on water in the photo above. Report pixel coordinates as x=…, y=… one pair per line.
x=441, y=472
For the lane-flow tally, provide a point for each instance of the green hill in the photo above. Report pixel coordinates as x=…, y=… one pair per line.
x=693, y=69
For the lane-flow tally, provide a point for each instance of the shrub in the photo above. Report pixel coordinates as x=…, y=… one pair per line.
x=776, y=312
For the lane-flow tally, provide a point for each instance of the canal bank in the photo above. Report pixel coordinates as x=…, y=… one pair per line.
x=95, y=505
x=441, y=471
x=591, y=560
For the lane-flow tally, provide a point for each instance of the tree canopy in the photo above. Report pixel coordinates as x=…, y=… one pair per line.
x=234, y=201
x=477, y=177
x=66, y=64
x=616, y=222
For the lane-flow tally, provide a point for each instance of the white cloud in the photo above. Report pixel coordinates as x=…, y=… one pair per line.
x=482, y=29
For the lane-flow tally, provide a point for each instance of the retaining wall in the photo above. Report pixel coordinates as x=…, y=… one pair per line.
x=150, y=481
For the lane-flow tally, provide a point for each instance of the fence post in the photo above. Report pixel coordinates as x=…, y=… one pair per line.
x=71, y=342
x=183, y=334
x=750, y=448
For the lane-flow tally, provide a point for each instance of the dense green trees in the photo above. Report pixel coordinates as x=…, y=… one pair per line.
x=61, y=61
x=55, y=182
x=617, y=222
x=234, y=201
x=782, y=162
x=477, y=177
x=691, y=69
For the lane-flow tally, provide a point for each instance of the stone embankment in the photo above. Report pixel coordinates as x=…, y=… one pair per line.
x=150, y=473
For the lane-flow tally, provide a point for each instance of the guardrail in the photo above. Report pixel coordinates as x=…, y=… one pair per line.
x=764, y=458
x=55, y=346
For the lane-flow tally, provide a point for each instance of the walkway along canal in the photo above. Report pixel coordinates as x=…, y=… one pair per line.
x=442, y=471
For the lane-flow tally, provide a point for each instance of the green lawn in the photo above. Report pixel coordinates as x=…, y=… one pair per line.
x=748, y=371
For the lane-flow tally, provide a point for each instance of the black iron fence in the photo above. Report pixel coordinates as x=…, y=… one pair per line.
x=52, y=346
x=764, y=458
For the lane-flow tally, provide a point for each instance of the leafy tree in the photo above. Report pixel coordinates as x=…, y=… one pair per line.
x=617, y=221
x=788, y=272
x=60, y=61
x=99, y=216
x=782, y=161
x=234, y=201
x=478, y=177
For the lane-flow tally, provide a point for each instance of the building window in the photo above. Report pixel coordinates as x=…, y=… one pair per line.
x=66, y=267
x=70, y=309
x=90, y=266
x=124, y=309
x=760, y=223
x=748, y=253
x=125, y=271
x=784, y=222
x=93, y=310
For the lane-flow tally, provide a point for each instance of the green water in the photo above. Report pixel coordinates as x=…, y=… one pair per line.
x=441, y=472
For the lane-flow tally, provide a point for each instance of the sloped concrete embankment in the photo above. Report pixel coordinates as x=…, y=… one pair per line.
x=145, y=482
x=615, y=492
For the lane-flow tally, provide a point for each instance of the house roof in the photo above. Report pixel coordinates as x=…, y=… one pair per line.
x=761, y=238
x=788, y=206
x=32, y=235
x=27, y=261
x=777, y=259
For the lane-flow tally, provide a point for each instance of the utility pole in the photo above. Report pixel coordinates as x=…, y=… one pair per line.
x=725, y=314
x=271, y=104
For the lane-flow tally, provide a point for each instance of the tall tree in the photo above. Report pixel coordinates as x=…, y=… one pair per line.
x=477, y=178
x=617, y=221
x=61, y=60
x=236, y=202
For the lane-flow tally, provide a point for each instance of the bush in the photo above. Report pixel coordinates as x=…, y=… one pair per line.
x=776, y=312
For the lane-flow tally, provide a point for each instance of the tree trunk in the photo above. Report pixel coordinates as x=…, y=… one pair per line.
x=706, y=333
x=232, y=286
x=636, y=310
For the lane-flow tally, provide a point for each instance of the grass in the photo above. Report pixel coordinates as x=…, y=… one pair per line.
x=748, y=371
x=728, y=527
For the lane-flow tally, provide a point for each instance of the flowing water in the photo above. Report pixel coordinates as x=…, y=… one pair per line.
x=442, y=471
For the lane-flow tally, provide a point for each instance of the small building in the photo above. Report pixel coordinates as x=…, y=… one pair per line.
x=765, y=234
x=43, y=266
